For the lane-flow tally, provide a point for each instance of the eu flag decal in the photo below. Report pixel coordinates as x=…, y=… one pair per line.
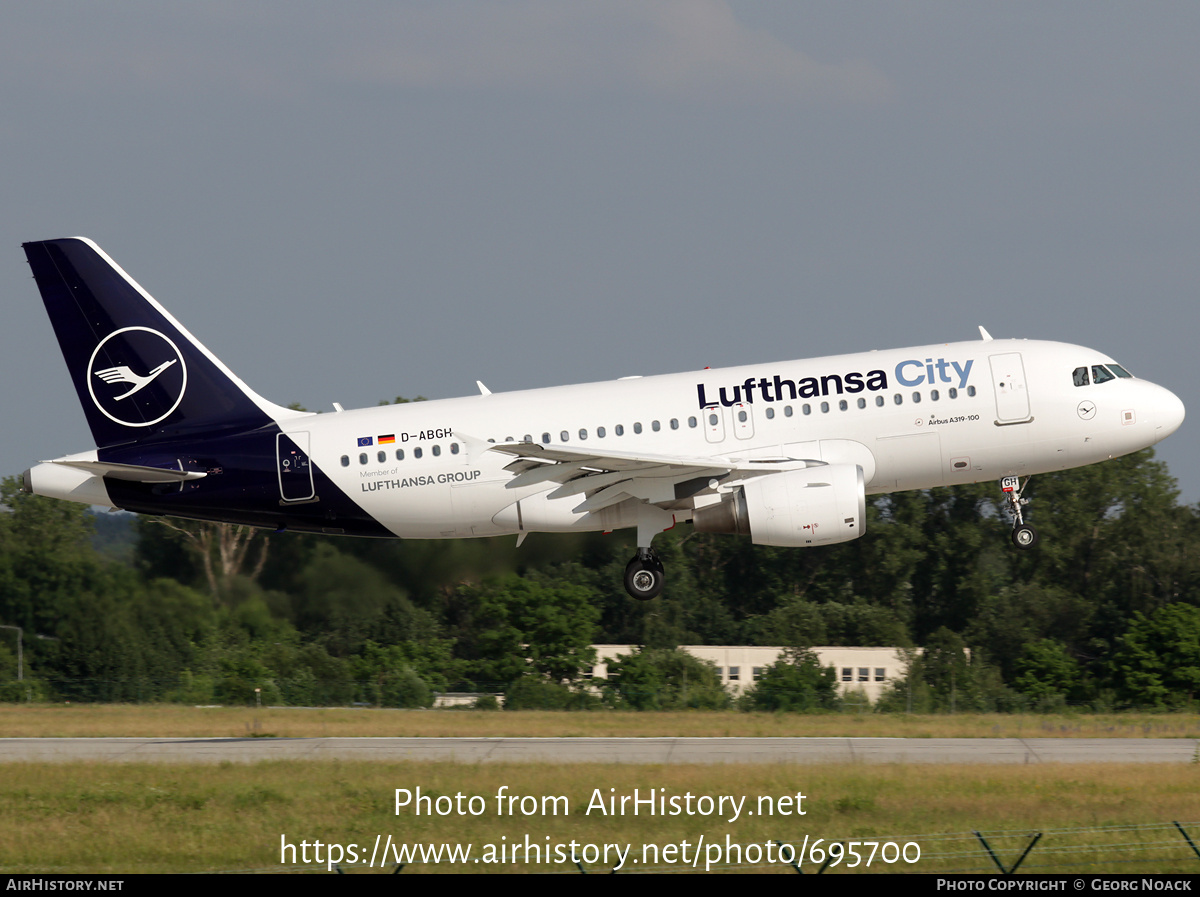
x=365, y=440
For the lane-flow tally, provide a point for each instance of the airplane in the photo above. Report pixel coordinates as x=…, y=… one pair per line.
x=785, y=452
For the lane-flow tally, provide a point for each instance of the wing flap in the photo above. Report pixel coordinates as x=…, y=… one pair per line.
x=610, y=477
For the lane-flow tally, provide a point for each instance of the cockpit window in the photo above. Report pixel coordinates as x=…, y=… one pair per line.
x=1119, y=371
x=1080, y=376
x=1101, y=374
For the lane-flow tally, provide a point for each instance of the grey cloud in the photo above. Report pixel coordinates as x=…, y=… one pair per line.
x=689, y=49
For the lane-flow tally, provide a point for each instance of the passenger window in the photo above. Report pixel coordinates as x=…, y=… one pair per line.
x=970, y=390
x=953, y=393
x=674, y=423
x=742, y=416
x=417, y=453
x=437, y=450
x=637, y=427
x=1100, y=374
x=806, y=408
x=362, y=459
x=527, y=438
x=934, y=395
x=619, y=429
x=692, y=422
x=381, y=457
x=1080, y=376
x=345, y=460
x=787, y=410
x=564, y=436
x=843, y=404
x=655, y=426
x=545, y=438
x=601, y=432
x=824, y=407
x=399, y=454
x=879, y=401
x=770, y=413
x=899, y=399
x=582, y=434
x=454, y=448
x=916, y=398
x=712, y=420
x=862, y=403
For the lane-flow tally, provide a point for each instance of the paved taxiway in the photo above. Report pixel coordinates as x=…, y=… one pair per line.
x=605, y=750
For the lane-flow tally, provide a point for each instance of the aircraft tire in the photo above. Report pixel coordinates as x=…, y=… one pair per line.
x=644, y=579
x=1024, y=536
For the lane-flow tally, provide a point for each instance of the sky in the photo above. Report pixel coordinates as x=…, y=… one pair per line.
x=356, y=201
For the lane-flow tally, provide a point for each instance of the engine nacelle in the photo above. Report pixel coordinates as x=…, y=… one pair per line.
x=812, y=506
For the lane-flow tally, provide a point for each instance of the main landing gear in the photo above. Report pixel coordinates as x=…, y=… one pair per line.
x=1023, y=535
x=644, y=576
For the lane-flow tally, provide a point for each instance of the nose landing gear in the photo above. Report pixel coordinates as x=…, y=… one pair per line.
x=1023, y=535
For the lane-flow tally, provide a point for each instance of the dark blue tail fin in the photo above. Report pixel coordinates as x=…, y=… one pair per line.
x=140, y=376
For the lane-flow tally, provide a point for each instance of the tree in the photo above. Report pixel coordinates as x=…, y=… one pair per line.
x=1157, y=663
x=508, y=626
x=796, y=682
x=223, y=551
x=664, y=679
x=1048, y=675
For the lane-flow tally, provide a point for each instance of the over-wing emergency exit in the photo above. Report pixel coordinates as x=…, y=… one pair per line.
x=784, y=452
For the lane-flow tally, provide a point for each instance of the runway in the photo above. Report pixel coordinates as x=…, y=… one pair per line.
x=603, y=750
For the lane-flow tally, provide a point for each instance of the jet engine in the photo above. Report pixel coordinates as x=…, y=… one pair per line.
x=811, y=506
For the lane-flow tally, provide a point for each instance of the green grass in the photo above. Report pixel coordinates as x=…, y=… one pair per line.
x=168, y=720
x=121, y=818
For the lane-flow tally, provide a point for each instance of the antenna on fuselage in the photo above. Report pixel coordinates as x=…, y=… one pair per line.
x=987, y=337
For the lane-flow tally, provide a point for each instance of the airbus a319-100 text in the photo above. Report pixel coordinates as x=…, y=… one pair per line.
x=785, y=453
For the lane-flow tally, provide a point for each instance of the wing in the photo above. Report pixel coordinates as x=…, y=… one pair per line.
x=608, y=477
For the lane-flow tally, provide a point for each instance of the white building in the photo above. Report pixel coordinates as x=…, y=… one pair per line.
x=870, y=670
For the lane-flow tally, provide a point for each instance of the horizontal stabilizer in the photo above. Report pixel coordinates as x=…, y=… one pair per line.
x=134, y=473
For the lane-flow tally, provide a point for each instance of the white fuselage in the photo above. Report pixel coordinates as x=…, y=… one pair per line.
x=911, y=418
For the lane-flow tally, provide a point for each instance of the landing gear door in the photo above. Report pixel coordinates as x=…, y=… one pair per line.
x=295, y=471
x=1008, y=381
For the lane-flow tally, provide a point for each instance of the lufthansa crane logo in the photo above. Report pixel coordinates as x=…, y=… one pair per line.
x=137, y=376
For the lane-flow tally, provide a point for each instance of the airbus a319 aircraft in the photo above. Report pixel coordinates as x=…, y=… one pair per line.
x=784, y=452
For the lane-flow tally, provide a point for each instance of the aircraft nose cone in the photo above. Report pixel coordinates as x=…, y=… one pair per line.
x=1168, y=415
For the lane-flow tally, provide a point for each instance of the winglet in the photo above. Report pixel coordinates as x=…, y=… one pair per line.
x=987, y=337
